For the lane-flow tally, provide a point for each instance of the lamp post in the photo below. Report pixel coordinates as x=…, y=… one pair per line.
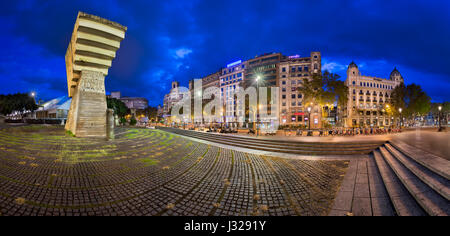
x=309, y=118
x=401, y=119
x=439, y=117
x=257, y=103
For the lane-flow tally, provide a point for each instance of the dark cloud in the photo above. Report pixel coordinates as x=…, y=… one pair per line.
x=412, y=35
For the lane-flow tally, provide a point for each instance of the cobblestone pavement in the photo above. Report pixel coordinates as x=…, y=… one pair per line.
x=44, y=171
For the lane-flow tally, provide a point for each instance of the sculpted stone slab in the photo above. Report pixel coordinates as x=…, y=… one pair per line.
x=92, y=48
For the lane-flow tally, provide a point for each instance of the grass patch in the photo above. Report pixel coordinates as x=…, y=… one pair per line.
x=68, y=132
x=148, y=161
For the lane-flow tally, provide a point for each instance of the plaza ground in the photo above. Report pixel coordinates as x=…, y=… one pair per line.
x=44, y=171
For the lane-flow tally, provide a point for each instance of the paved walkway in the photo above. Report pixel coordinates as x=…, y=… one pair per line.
x=362, y=192
x=432, y=141
x=150, y=172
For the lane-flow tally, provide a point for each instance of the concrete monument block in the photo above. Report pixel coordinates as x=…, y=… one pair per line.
x=110, y=124
x=92, y=48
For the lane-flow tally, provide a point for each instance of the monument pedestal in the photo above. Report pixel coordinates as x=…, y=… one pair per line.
x=92, y=48
x=87, y=114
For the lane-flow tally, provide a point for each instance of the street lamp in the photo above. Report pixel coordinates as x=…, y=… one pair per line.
x=401, y=119
x=439, y=117
x=258, y=78
x=309, y=114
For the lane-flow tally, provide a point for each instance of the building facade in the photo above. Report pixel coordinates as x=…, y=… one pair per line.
x=176, y=94
x=135, y=104
x=292, y=71
x=264, y=66
x=57, y=108
x=368, y=98
x=231, y=77
x=273, y=70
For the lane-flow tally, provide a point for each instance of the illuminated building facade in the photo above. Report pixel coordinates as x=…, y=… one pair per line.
x=368, y=98
x=292, y=72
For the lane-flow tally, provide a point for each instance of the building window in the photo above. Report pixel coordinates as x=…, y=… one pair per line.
x=293, y=96
x=316, y=67
x=283, y=69
x=283, y=96
x=353, y=82
x=283, y=82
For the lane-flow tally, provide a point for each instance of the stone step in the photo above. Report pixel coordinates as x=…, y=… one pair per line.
x=290, y=147
x=436, y=164
x=433, y=180
x=431, y=201
x=403, y=202
x=300, y=151
x=257, y=144
x=274, y=141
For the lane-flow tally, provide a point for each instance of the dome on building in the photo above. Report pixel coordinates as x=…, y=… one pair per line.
x=352, y=65
x=395, y=73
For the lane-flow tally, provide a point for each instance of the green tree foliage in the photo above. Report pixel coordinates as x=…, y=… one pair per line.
x=16, y=102
x=151, y=113
x=119, y=107
x=411, y=99
x=445, y=109
x=133, y=121
x=397, y=99
x=324, y=89
x=122, y=121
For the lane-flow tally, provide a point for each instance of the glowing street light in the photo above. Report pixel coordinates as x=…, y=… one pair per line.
x=401, y=119
x=258, y=78
x=439, y=117
x=309, y=113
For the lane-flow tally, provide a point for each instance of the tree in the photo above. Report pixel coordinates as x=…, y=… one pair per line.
x=19, y=102
x=133, y=121
x=119, y=107
x=151, y=113
x=445, y=109
x=411, y=99
x=397, y=99
x=325, y=89
x=315, y=91
x=418, y=102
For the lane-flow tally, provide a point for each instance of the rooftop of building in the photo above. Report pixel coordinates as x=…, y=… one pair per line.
x=62, y=103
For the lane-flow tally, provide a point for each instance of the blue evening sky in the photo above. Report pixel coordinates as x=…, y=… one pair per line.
x=181, y=40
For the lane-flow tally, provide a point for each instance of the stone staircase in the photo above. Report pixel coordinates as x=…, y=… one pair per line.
x=401, y=179
x=282, y=146
x=417, y=182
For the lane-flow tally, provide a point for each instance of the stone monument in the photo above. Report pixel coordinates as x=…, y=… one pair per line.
x=91, y=50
